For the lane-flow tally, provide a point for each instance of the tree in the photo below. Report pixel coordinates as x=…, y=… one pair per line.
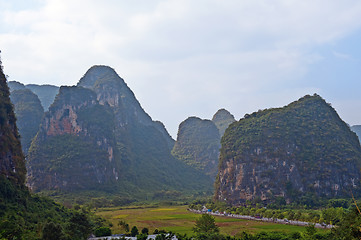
x=134, y=232
x=350, y=225
x=205, y=224
x=79, y=226
x=145, y=231
x=161, y=236
x=52, y=231
x=124, y=225
x=103, y=232
x=142, y=236
x=310, y=230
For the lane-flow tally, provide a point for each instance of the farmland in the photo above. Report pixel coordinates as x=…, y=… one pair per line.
x=178, y=219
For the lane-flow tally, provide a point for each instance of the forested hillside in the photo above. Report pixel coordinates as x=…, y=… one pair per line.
x=303, y=148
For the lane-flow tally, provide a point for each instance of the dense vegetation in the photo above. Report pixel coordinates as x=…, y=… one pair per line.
x=26, y=216
x=29, y=112
x=303, y=148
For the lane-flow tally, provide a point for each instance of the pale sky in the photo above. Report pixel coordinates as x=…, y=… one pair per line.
x=186, y=58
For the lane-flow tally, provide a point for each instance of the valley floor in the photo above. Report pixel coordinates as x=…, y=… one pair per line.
x=178, y=219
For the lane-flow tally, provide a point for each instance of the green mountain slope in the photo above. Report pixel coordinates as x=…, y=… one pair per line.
x=303, y=148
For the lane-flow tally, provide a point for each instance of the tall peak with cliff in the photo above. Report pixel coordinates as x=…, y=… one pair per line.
x=96, y=135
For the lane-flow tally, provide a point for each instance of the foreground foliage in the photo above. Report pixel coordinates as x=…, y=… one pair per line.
x=26, y=216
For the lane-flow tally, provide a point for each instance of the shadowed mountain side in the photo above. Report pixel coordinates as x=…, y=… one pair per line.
x=29, y=112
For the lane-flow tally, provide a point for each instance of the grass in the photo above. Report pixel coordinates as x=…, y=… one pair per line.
x=178, y=219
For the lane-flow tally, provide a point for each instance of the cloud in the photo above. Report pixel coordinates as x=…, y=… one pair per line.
x=192, y=56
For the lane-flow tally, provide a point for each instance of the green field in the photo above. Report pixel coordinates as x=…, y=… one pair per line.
x=178, y=219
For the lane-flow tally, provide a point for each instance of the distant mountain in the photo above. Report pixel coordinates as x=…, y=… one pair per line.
x=357, y=129
x=303, y=149
x=46, y=93
x=198, y=144
x=97, y=136
x=222, y=118
x=198, y=141
x=28, y=111
x=13, y=85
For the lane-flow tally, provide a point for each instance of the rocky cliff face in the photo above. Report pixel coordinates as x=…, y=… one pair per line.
x=12, y=164
x=198, y=144
x=97, y=136
x=71, y=151
x=303, y=148
x=29, y=112
x=222, y=118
